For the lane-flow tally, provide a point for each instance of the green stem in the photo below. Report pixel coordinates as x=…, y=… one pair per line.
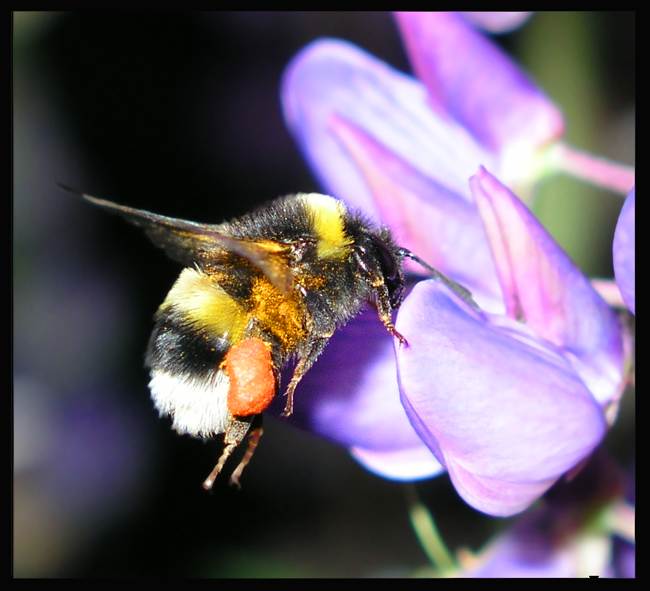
x=428, y=534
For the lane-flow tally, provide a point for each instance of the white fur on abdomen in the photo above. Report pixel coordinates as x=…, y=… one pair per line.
x=197, y=407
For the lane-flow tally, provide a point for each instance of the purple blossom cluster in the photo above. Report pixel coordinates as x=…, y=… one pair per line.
x=508, y=399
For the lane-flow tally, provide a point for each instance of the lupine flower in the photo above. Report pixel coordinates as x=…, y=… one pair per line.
x=508, y=407
x=507, y=400
x=624, y=252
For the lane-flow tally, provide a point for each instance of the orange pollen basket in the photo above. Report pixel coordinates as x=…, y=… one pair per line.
x=252, y=381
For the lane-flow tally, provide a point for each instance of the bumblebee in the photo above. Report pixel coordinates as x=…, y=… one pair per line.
x=256, y=294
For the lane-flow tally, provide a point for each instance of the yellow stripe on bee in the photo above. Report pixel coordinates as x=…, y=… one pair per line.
x=205, y=303
x=328, y=216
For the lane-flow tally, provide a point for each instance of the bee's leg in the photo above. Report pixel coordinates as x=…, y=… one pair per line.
x=302, y=367
x=387, y=321
x=384, y=309
x=382, y=299
x=253, y=440
x=236, y=431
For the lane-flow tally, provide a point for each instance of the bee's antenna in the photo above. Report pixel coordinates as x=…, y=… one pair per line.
x=457, y=288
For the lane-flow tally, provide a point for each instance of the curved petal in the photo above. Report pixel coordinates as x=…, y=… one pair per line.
x=505, y=417
x=330, y=77
x=624, y=252
x=472, y=81
x=542, y=286
x=351, y=397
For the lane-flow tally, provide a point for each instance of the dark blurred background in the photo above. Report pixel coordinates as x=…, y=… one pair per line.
x=178, y=113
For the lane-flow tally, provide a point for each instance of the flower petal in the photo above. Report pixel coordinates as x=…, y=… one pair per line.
x=351, y=397
x=472, y=81
x=331, y=77
x=542, y=286
x=408, y=464
x=624, y=252
x=505, y=417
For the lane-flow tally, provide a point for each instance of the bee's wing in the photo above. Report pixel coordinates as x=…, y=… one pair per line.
x=268, y=256
x=190, y=242
x=183, y=241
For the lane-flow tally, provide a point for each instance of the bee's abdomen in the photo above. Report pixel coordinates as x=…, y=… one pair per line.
x=187, y=380
x=177, y=346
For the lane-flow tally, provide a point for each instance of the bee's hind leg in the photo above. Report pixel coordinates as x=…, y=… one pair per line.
x=236, y=431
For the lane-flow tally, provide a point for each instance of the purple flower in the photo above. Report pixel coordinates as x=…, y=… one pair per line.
x=506, y=401
x=509, y=403
x=624, y=252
